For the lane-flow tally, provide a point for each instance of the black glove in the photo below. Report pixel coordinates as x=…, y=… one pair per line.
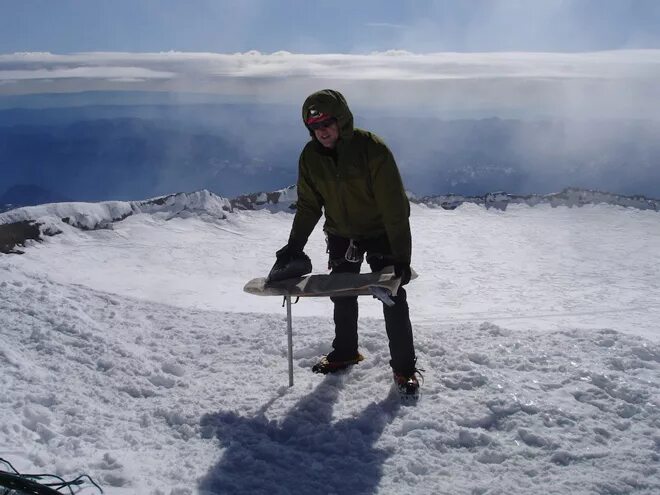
x=290, y=263
x=287, y=253
x=402, y=270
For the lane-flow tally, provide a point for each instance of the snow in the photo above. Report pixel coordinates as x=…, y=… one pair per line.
x=131, y=353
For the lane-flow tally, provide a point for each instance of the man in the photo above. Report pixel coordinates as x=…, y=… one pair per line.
x=352, y=177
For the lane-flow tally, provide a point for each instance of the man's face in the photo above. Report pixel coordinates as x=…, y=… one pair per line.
x=328, y=134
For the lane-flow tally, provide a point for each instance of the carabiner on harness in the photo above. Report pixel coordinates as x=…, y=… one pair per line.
x=353, y=253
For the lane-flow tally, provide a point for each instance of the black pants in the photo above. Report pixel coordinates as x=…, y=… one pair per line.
x=397, y=317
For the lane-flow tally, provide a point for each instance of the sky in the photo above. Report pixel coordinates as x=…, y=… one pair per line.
x=563, y=60
x=341, y=26
x=478, y=58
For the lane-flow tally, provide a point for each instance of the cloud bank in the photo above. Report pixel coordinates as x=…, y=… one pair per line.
x=597, y=84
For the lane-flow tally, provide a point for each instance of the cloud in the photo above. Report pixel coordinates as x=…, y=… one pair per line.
x=612, y=83
x=114, y=73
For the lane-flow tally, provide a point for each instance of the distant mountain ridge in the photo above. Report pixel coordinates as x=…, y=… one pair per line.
x=28, y=195
x=569, y=197
x=285, y=199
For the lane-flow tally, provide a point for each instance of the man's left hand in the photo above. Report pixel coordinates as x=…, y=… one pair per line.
x=402, y=271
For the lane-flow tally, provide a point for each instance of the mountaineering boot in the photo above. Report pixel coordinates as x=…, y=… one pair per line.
x=325, y=365
x=407, y=383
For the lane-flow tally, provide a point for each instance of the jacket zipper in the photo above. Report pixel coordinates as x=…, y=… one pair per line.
x=342, y=197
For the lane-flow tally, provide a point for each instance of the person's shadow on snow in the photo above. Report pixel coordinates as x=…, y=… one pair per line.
x=304, y=454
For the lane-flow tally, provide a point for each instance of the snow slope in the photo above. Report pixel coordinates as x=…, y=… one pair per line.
x=131, y=353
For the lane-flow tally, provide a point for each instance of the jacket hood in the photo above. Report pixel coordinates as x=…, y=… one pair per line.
x=333, y=103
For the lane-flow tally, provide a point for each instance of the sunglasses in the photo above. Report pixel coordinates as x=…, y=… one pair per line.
x=322, y=124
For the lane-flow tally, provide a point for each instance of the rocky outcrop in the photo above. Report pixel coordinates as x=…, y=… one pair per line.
x=568, y=197
x=17, y=234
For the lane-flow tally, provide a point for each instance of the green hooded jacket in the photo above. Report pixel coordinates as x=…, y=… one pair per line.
x=357, y=185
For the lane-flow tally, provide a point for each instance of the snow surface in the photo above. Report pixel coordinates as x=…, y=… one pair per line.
x=132, y=354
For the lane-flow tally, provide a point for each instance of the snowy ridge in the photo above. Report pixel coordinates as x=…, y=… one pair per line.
x=14, y=224
x=202, y=203
x=569, y=197
x=49, y=218
x=82, y=215
x=280, y=200
x=91, y=216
